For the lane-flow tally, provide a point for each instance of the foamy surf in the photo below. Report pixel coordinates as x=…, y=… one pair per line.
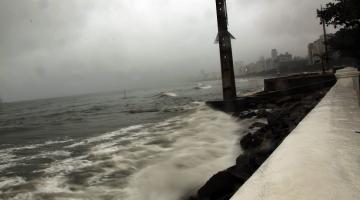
x=167, y=94
x=165, y=161
x=200, y=86
x=190, y=162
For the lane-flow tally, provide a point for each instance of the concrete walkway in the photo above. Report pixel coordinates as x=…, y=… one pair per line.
x=320, y=159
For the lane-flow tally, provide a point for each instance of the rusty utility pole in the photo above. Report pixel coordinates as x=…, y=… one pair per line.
x=224, y=39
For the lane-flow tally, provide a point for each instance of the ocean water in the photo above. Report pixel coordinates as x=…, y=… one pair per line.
x=155, y=144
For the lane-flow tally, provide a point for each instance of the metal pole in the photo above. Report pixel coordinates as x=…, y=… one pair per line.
x=226, y=58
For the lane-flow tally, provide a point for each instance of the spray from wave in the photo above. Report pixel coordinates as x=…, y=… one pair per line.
x=165, y=161
x=200, y=86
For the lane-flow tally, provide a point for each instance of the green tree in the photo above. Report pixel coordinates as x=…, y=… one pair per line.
x=343, y=14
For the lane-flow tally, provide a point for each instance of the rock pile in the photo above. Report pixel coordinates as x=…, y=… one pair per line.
x=282, y=116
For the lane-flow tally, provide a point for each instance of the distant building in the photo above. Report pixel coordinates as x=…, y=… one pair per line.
x=285, y=57
x=317, y=49
x=274, y=54
x=262, y=63
x=274, y=63
x=268, y=64
x=311, y=54
x=274, y=59
x=259, y=66
x=239, y=68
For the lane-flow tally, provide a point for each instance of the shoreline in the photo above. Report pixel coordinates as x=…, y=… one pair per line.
x=275, y=119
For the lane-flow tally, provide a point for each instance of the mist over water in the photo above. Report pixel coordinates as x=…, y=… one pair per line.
x=158, y=144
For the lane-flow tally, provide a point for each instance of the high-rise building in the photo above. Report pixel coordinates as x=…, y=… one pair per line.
x=310, y=53
x=285, y=57
x=274, y=58
x=274, y=54
x=316, y=50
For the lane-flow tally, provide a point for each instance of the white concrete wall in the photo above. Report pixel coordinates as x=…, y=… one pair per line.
x=357, y=85
x=320, y=159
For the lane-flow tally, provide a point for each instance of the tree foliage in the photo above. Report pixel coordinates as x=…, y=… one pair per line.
x=343, y=14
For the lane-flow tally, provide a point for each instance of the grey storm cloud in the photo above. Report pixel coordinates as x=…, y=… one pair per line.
x=64, y=47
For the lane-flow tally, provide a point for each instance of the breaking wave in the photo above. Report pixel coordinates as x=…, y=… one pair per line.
x=167, y=94
x=202, y=87
x=162, y=161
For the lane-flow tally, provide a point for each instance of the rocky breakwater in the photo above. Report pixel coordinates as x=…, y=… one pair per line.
x=274, y=119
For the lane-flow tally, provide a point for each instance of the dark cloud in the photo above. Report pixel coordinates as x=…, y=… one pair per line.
x=55, y=47
x=30, y=25
x=265, y=24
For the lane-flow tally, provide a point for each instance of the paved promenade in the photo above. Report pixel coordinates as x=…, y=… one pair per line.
x=320, y=159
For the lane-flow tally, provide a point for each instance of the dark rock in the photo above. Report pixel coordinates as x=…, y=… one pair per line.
x=250, y=141
x=248, y=163
x=247, y=114
x=297, y=116
x=292, y=106
x=239, y=172
x=261, y=106
x=284, y=115
x=259, y=157
x=262, y=113
x=192, y=198
x=283, y=100
x=308, y=107
x=244, y=168
x=263, y=130
x=274, y=117
x=271, y=106
x=221, y=186
x=280, y=132
x=257, y=125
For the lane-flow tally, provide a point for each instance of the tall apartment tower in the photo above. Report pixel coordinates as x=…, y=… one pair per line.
x=274, y=54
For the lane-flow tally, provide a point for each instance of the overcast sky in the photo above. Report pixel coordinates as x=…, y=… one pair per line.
x=54, y=48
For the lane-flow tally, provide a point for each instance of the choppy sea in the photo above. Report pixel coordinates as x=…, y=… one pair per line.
x=152, y=144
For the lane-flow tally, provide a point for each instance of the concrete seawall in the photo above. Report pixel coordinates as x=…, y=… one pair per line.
x=294, y=81
x=320, y=158
x=356, y=80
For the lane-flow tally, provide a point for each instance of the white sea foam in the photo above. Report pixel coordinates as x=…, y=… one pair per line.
x=9, y=159
x=6, y=166
x=167, y=94
x=59, y=153
x=106, y=136
x=58, y=142
x=68, y=165
x=55, y=184
x=33, y=146
x=204, y=146
x=10, y=182
x=162, y=161
x=200, y=86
